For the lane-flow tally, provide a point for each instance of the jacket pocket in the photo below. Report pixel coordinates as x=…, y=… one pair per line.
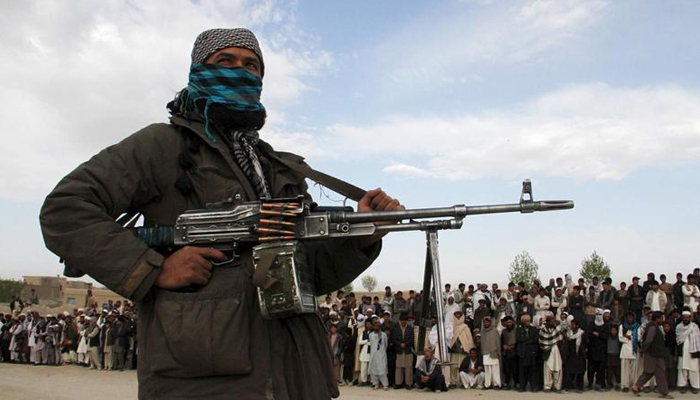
x=200, y=334
x=213, y=184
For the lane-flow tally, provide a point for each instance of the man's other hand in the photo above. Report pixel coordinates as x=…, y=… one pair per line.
x=377, y=200
x=188, y=266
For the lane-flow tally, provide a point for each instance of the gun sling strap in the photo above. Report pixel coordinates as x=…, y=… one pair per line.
x=348, y=190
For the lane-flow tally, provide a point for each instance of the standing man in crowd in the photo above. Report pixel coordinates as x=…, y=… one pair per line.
x=551, y=339
x=607, y=295
x=509, y=341
x=399, y=307
x=335, y=341
x=363, y=355
x=527, y=345
x=688, y=337
x=459, y=343
x=655, y=354
x=678, y=291
x=209, y=152
x=378, y=342
x=656, y=299
x=403, y=342
x=598, y=330
x=635, y=294
x=575, y=356
x=491, y=353
x=388, y=300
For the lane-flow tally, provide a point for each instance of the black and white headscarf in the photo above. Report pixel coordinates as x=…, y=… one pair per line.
x=242, y=145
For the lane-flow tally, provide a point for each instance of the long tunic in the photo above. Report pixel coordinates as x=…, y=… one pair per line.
x=686, y=361
x=627, y=348
x=575, y=358
x=363, y=342
x=554, y=362
x=377, y=350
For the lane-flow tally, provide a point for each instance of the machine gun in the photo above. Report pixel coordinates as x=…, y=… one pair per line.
x=275, y=230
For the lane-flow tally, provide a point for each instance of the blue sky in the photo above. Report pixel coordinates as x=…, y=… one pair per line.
x=439, y=103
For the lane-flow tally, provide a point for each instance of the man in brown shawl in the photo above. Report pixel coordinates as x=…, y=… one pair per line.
x=459, y=344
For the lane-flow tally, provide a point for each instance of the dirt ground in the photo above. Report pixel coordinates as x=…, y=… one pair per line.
x=23, y=382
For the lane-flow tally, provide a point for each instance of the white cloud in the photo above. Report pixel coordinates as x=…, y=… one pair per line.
x=586, y=132
x=494, y=35
x=84, y=75
x=408, y=170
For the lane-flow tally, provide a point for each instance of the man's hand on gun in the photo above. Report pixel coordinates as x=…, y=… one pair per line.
x=188, y=266
x=377, y=200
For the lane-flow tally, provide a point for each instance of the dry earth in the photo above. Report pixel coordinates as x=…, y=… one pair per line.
x=23, y=382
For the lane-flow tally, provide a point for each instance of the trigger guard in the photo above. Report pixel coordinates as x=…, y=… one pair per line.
x=225, y=263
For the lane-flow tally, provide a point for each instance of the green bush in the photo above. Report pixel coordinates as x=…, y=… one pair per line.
x=9, y=288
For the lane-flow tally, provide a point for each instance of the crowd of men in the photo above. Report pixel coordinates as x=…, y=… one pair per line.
x=95, y=337
x=565, y=336
x=559, y=337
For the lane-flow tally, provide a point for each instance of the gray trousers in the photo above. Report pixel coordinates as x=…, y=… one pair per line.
x=659, y=372
x=118, y=357
x=404, y=370
x=383, y=379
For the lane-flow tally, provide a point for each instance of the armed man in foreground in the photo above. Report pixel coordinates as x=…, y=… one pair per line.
x=201, y=332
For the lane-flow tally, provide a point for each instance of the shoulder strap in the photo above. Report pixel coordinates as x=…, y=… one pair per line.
x=348, y=190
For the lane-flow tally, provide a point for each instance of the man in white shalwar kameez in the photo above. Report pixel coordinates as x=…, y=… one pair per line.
x=629, y=335
x=471, y=371
x=378, y=343
x=363, y=354
x=551, y=334
x=542, y=304
x=688, y=336
x=32, y=326
x=82, y=341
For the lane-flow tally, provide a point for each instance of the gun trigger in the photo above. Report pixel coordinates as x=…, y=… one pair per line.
x=226, y=263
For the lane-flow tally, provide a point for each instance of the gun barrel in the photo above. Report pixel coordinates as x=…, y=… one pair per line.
x=523, y=207
x=458, y=211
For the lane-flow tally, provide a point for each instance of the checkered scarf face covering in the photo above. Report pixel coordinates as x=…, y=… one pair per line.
x=237, y=90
